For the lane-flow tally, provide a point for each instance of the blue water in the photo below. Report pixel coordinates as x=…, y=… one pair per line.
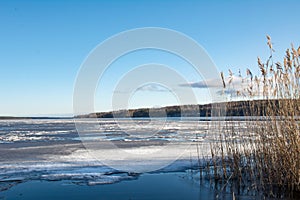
x=148, y=186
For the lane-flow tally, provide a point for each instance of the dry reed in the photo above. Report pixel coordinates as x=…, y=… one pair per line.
x=261, y=156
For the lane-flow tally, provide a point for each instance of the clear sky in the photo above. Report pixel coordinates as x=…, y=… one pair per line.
x=43, y=43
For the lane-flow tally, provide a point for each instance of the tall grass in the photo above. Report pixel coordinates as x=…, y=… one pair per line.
x=261, y=156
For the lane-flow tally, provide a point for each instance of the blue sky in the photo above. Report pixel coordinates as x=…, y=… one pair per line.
x=43, y=43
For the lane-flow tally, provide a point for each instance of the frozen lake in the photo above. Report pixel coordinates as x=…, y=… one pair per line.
x=98, y=152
